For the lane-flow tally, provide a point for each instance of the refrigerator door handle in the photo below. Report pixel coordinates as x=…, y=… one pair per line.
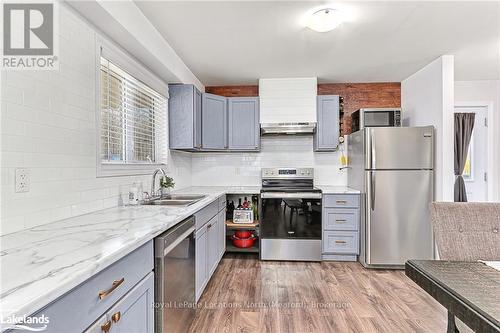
x=373, y=151
x=372, y=190
x=367, y=226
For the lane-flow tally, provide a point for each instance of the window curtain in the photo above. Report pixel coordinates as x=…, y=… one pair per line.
x=464, y=124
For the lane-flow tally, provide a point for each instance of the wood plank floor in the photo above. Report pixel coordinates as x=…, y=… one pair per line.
x=248, y=295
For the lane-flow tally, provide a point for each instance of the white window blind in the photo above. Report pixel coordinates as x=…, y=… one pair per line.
x=133, y=119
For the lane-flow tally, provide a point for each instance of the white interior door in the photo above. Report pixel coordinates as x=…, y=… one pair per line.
x=475, y=172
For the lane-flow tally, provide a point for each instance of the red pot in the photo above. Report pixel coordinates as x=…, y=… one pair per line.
x=243, y=242
x=243, y=234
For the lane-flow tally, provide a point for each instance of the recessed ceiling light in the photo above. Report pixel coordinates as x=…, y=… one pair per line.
x=324, y=19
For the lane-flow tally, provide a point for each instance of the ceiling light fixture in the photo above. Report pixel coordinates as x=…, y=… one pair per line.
x=324, y=19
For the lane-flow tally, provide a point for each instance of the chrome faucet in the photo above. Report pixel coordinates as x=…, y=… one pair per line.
x=152, y=194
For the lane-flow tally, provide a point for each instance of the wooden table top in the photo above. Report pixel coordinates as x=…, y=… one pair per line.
x=470, y=290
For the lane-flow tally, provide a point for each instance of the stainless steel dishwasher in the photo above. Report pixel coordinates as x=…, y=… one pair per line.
x=174, y=278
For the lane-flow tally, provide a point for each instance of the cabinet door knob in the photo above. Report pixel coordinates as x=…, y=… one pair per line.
x=106, y=326
x=116, y=284
x=116, y=316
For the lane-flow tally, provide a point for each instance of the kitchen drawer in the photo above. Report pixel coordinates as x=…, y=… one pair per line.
x=222, y=202
x=80, y=307
x=340, y=242
x=341, y=200
x=341, y=219
x=204, y=215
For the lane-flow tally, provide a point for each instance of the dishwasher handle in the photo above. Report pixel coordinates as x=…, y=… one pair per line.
x=172, y=237
x=176, y=242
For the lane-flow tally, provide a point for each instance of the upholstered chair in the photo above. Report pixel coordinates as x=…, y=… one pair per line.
x=466, y=231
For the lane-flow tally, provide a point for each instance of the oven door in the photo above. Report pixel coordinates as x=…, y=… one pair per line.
x=290, y=215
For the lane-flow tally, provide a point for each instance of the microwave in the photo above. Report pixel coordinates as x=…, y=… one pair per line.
x=375, y=117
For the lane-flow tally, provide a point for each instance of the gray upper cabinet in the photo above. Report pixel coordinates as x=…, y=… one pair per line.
x=214, y=122
x=244, y=127
x=326, y=137
x=184, y=117
x=207, y=122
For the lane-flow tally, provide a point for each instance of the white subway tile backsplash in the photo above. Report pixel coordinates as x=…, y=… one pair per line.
x=281, y=151
x=16, y=112
x=11, y=224
x=48, y=126
x=12, y=127
x=11, y=94
x=38, y=218
x=12, y=159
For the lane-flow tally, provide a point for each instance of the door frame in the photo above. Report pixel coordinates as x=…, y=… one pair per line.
x=490, y=169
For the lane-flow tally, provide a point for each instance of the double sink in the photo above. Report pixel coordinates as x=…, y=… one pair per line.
x=174, y=200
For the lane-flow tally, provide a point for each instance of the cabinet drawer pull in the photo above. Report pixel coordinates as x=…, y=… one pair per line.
x=116, y=316
x=341, y=202
x=340, y=221
x=340, y=242
x=116, y=284
x=106, y=326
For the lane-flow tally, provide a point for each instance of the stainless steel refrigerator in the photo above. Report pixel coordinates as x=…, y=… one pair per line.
x=393, y=169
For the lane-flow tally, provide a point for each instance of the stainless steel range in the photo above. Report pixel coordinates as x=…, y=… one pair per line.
x=290, y=215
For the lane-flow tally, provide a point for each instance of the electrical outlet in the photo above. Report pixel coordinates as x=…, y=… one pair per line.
x=22, y=180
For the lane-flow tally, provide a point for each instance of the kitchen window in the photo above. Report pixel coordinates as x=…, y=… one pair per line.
x=132, y=119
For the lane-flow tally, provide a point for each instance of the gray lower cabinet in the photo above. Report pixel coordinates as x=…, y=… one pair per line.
x=133, y=313
x=213, y=244
x=222, y=232
x=210, y=242
x=340, y=219
x=243, y=122
x=184, y=117
x=201, y=259
x=326, y=137
x=125, y=287
x=340, y=242
x=100, y=325
x=214, y=122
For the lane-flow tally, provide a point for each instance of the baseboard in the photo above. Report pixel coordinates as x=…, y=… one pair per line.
x=339, y=257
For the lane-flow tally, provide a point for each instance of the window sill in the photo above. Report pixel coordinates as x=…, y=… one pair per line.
x=123, y=170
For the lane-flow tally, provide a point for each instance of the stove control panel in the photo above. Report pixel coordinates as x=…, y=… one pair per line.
x=287, y=173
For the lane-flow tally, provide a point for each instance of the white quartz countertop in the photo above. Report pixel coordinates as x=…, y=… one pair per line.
x=39, y=265
x=329, y=189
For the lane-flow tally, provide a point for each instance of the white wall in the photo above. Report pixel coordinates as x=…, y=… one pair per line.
x=48, y=126
x=281, y=151
x=427, y=99
x=487, y=91
x=126, y=24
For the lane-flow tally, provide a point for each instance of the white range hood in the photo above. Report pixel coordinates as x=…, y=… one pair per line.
x=288, y=105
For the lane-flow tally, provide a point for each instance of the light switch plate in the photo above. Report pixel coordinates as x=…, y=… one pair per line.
x=22, y=180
